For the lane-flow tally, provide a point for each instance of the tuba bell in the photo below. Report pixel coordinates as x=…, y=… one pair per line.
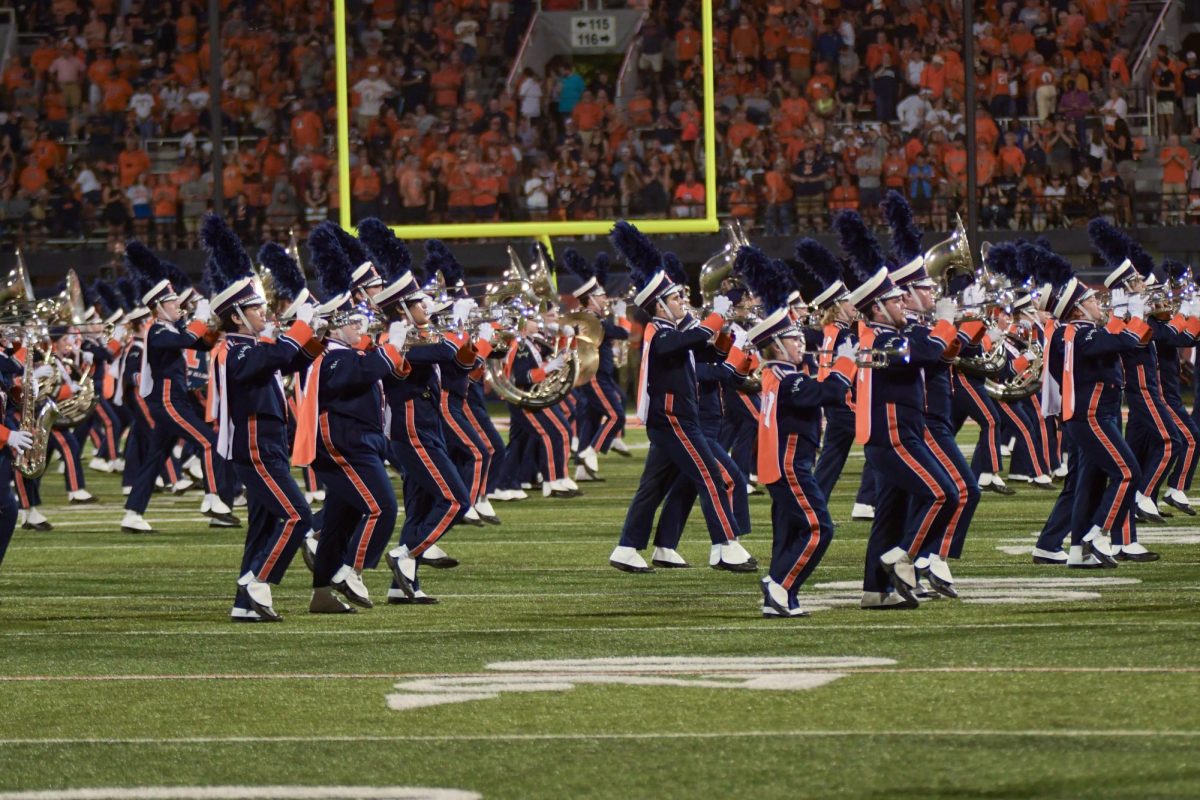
x=719, y=268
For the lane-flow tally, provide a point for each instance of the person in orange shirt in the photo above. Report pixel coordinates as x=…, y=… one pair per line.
x=821, y=78
x=487, y=192
x=165, y=199
x=1118, y=68
x=1091, y=60
x=460, y=200
x=985, y=165
x=687, y=42
x=777, y=191
x=743, y=41
x=365, y=189
x=1012, y=157
x=954, y=166
x=1177, y=166
x=46, y=153
x=740, y=131
x=115, y=94
x=844, y=196
x=1000, y=89
x=933, y=77
x=588, y=114
x=895, y=169
x=986, y=132
x=132, y=162
x=232, y=183
x=187, y=28
x=795, y=107
x=1020, y=41
x=306, y=128
x=41, y=58
x=32, y=179
x=799, y=52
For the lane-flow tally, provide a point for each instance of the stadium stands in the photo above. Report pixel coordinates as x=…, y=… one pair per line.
x=821, y=105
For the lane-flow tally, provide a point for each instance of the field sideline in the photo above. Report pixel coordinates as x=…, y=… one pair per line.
x=545, y=673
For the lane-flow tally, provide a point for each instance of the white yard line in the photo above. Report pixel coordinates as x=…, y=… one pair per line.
x=772, y=627
x=371, y=676
x=1046, y=733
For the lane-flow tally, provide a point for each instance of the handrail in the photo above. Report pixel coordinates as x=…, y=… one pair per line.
x=1139, y=65
x=11, y=40
x=512, y=73
x=631, y=55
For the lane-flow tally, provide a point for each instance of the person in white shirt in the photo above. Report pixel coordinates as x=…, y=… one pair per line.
x=141, y=103
x=372, y=91
x=913, y=110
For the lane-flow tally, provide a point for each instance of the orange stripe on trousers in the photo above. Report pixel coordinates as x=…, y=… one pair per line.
x=444, y=523
x=289, y=527
x=372, y=505
x=939, y=497
x=814, y=525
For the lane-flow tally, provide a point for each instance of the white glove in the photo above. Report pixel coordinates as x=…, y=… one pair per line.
x=1137, y=306
x=1188, y=307
x=305, y=313
x=847, y=349
x=486, y=332
x=203, y=310
x=619, y=309
x=555, y=364
x=552, y=328
x=20, y=441
x=319, y=324
x=996, y=335
x=43, y=372
x=943, y=310
x=268, y=331
x=740, y=336
x=397, y=333
x=722, y=305
x=120, y=332
x=568, y=331
x=461, y=310
x=88, y=358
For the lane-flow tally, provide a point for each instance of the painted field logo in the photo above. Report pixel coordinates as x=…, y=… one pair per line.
x=784, y=674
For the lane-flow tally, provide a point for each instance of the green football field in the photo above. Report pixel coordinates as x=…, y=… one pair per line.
x=546, y=673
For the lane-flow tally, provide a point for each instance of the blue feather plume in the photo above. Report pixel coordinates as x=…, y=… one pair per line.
x=577, y=265
x=350, y=246
x=600, y=267
x=820, y=264
x=145, y=270
x=450, y=267
x=227, y=259
x=108, y=297
x=1045, y=266
x=128, y=293
x=906, y=236
x=1175, y=270
x=330, y=262
x=387, y=251
x=674, y=268
x=768, y=280
x=1002, y=260
x=289, y=279
x=1112, y=245
x=643, y=258
x=860, y=246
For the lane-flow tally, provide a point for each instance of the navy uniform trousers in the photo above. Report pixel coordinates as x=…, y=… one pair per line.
x=477, y=411
x=1184, y=469
x=915, y=497
x=602, y=414
x=549, y=433
x=1151, y=434
x=8, y=502
x=939, y=436
x=172, y=421
x=800, y=520
x=360, y=503
x=1017, y=422
x=278, y=515
x=678, y=447
x=970, y=401
x=739, y=432
x=1058, y=524
x=1108, y=473
x=67, y=445
x=435, y=497
x=469, y=450
x=836, y=443
x=681, y=497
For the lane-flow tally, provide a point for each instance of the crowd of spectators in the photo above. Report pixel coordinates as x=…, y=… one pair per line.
x=821, y=105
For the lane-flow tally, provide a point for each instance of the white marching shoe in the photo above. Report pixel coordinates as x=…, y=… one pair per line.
x=486, y=512
x=619, y=447
x=1041, y=556
x=347, y=581
x=1076, y=559
x=590, y=461
x=993, y=483
x=258, y=593
x=100, y=465
x=1096, y=544
x=627, y=559
x=862, y=511
x=732, y=557
x=667, y=558
x=886, y=601
x=438, y=558
x=471, y=517
x=1135, y=551
x=80, y=496
x=213, y=504
x=904, y=574
x=36, y=520
x=135, y=523
x=182, y=485
x=935, y=570
x=1178, y=500
x=582, y=474
x=1147, y=508
x=193, y=467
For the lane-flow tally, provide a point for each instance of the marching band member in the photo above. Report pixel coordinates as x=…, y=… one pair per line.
x=821, y=269
x=971, y=401
x=667, y=406
x=1085, y=361
x=915, y=495
x=435, y=497
x=251, y=410
x=1185, y=327
x=1025, y=463
x=788, y=433
x=1149, y=430
x=105, y=426
x=922, y=308
x=340, y=432
x=70, y=364
x=127, y=395
x=542, y=430
x=603, y=413
x=13, y=440
x=163, y=384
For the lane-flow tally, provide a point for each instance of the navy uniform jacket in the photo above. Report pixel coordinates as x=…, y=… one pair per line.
x=798, y=401
x=254, y=391
x=900, y=383
x=9, y=369
x=101, y=357
x=164, y=357
x=131, y=366
x=350, y=391
x=713, y=377
x=670, y=369
x=1168, y=338
x=935, y=349
x=606, y=372
x=1096, y=370
x=421, y=385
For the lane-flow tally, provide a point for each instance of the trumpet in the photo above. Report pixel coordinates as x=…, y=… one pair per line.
x=873, y=357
